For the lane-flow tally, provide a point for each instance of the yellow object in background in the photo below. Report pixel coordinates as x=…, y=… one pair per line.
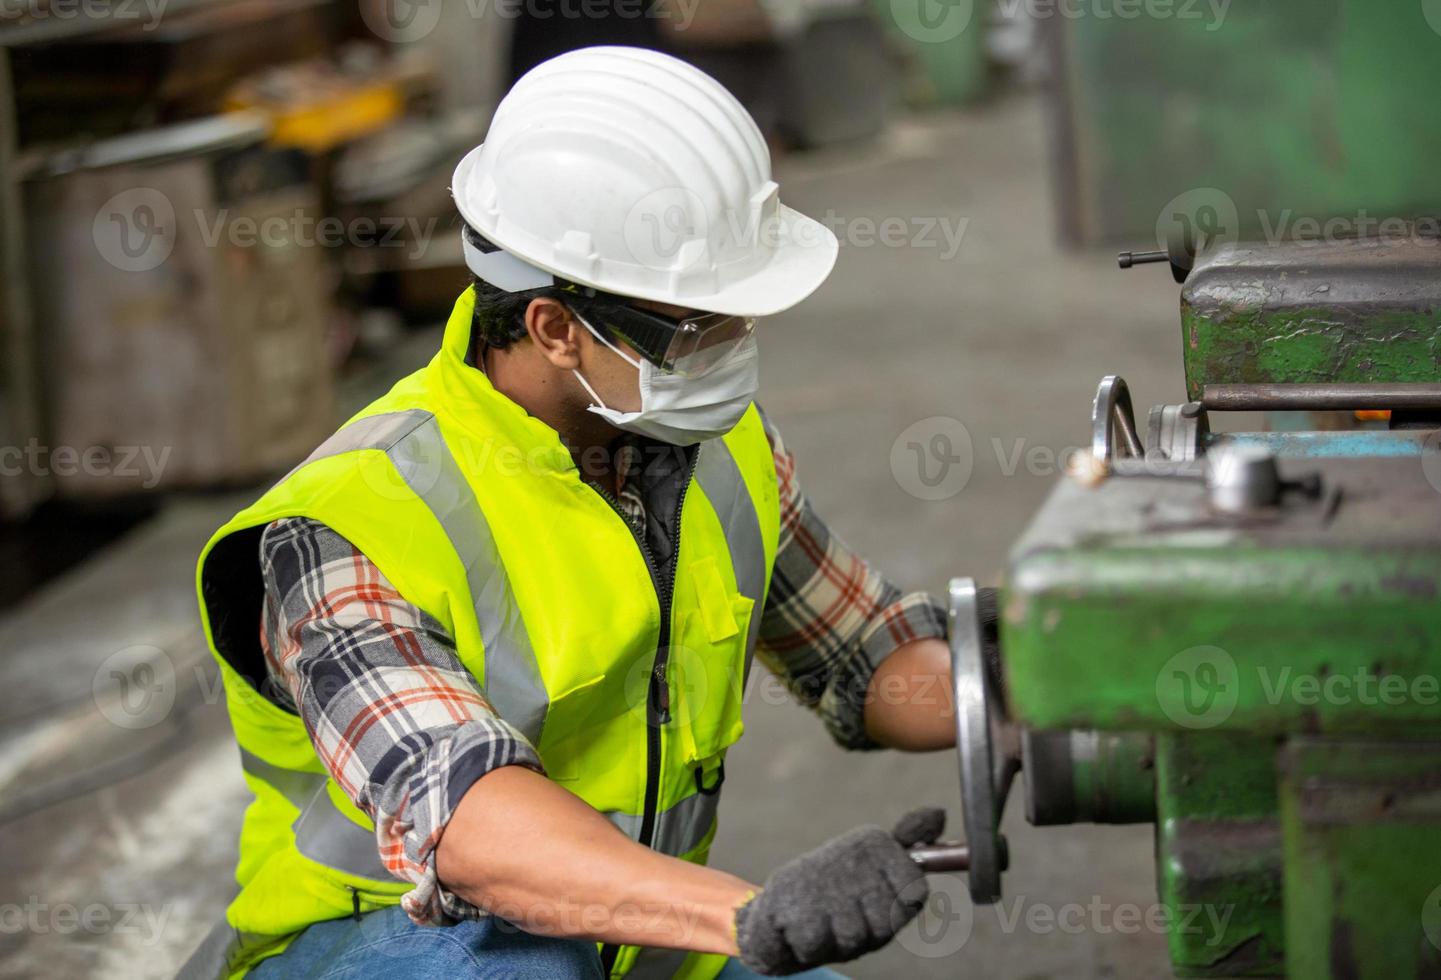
x=314, y=108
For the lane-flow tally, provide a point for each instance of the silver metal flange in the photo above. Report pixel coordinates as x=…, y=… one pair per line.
x=980, y=801
x=1113, y=421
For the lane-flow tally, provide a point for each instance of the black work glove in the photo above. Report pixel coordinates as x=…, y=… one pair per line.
x=848, y=897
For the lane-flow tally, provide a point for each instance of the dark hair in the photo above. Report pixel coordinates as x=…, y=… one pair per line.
x=499, y=318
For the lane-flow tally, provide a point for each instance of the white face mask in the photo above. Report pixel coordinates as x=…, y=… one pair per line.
x=684, y=411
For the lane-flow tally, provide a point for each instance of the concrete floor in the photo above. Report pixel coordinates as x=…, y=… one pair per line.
x=1003, y=342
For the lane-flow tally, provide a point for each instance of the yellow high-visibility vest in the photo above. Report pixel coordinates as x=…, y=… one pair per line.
x=476, y=513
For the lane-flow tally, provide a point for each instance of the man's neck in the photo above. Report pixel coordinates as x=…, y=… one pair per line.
x=590, y=438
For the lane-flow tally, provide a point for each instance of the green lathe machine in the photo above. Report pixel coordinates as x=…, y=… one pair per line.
x=1236, y=635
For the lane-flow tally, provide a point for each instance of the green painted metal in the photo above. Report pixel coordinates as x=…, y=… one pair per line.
x=1362, y=839
x=1288, y=108
x=1131, y=606
x=1367, y=310
x=1089, y=777
x=1115, y=781
x=1285, y=663
x=1218, y=854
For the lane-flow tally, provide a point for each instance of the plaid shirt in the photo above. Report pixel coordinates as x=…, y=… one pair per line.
x=405, y=729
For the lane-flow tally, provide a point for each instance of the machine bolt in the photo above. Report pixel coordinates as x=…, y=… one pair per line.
x=1242, y=478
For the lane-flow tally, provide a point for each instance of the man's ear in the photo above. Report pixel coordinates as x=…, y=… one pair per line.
x=554, y=331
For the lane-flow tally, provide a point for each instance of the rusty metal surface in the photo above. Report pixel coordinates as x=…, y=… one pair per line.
x=1363, y=311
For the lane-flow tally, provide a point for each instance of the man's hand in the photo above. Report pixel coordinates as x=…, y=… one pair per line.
x=848, y=897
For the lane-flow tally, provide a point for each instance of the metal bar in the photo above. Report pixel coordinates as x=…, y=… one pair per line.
x=1126, y=260
x=1319, y=397
x=1126, y=422
x=942, y=856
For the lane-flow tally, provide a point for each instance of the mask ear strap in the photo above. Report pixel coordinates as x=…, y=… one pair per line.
x=591, y=391
x=598, y=336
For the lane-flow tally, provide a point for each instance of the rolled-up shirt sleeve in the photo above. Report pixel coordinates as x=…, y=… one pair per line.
x=830, y=618
x=394, y=716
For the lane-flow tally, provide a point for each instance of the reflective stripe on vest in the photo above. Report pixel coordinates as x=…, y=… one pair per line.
x=679, y=829
x=656, y=963
x=418, y=452
x=322, y=833
x=413, y=442
x=719, y=476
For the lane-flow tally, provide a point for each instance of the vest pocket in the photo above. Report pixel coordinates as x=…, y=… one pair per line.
x=707, y=674
x=568, y=730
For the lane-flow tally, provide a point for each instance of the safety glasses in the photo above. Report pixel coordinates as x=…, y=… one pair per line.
x=688, y=347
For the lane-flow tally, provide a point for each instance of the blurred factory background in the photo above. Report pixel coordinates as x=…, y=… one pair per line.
x=225, y=224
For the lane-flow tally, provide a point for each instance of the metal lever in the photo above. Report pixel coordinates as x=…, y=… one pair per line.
x=1127, y=259
x=950, y=855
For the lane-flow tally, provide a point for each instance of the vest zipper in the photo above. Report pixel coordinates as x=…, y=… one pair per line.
x=658, y=694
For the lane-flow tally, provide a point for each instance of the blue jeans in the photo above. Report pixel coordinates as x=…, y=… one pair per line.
x=387, y=944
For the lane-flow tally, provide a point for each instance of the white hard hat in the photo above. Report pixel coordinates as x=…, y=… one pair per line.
x=634, y=173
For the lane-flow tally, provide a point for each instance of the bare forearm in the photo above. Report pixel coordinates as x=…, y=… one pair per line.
x=909, y=703
x=537, y=855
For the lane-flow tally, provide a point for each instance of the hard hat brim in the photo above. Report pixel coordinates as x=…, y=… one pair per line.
x=802, y=260
x=803, y=255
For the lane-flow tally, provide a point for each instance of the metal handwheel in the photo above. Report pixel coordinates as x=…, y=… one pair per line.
x=980, y=805
x=985, y=772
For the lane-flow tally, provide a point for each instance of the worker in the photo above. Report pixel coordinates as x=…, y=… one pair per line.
x=485, y=649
